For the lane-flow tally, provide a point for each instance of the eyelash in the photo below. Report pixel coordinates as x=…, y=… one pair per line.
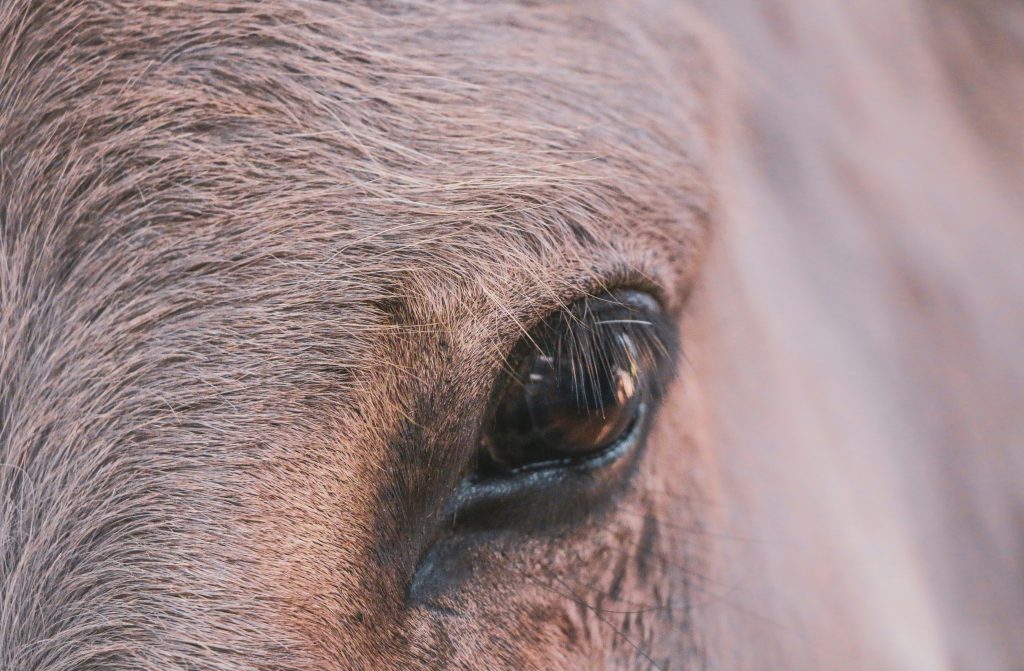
x=585, y=345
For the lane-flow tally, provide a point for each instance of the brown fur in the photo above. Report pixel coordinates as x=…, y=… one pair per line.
x=260, y=264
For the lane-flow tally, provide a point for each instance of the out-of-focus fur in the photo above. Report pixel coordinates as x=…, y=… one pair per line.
x=868, y=305
x=259, y=264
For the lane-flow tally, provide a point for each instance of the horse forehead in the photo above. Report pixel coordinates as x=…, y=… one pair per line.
x=422, y=111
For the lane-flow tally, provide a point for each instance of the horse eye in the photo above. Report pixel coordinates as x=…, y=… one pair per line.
x=579, y=385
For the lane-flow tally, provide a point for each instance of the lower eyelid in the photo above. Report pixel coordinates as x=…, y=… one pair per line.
x=548, y=493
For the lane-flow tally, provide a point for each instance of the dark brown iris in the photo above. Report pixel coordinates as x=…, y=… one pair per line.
x=577, y=389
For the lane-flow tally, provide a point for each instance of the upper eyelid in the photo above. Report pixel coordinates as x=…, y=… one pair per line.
x=598, y=291
x=575, y=317
x=523, y=337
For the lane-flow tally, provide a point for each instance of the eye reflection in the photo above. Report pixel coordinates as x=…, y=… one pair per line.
x=581, y=384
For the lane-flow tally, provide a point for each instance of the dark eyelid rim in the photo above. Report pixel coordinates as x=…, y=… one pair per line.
x=537, y=497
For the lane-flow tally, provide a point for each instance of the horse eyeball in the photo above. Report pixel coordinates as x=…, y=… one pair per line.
x=580, y=384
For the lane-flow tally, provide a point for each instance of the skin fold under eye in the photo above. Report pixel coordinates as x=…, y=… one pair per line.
x=568, y=420
x=579, y=384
